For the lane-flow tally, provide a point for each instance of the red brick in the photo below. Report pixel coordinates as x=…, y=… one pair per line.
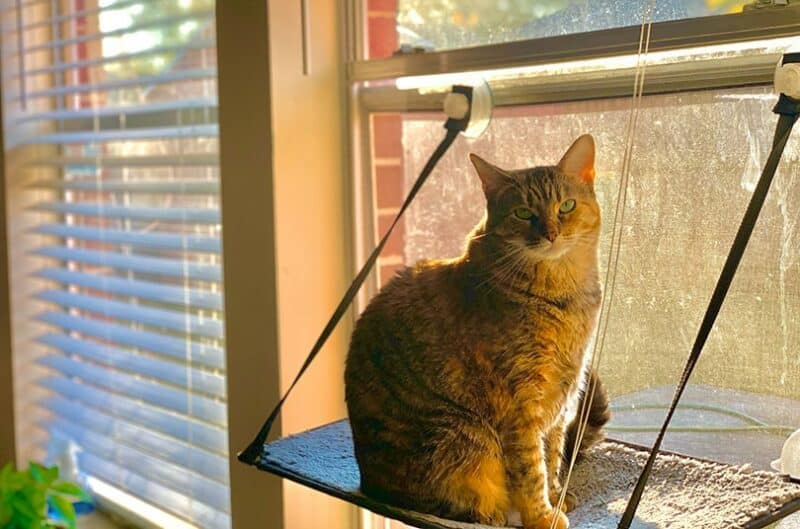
x=396, y=243
x=389, y=186
x=382, y=36
x=388, y=271
x=382, y=5
x=387, y=135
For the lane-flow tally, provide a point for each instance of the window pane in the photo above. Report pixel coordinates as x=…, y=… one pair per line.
x=696, y=159
x=447, y=24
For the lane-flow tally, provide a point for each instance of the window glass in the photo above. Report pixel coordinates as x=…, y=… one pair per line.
x=447, y=24
x=696, y=159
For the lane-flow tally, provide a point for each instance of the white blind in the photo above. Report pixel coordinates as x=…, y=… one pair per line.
x=111, y=116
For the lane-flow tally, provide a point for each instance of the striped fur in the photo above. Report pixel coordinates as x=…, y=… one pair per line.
x=459, y=371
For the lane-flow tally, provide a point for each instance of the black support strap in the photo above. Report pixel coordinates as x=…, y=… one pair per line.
x=788, y=109
x=252, y=453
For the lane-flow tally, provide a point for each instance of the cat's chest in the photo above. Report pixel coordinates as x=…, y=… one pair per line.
x=542, y=328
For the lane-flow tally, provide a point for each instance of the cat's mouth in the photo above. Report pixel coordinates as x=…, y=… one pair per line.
x=545, y=249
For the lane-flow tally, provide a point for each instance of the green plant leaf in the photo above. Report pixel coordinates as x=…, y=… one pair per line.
x=36, y=471
x=11, y=480
x=5, y=513
x=21, y=504
x=65, y=510
x=6, y=472
x=36, y=496
x=5, y=480
x=43, y=474
x=70, y=489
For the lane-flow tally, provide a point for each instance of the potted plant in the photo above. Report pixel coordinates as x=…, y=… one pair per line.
x=36, y=499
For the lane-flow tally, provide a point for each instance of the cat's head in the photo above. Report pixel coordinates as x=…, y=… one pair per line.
x=544, y=212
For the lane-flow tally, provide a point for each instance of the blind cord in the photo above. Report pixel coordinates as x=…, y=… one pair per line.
x=609, y=282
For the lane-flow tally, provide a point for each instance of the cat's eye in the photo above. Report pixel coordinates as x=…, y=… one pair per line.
x=523, y=213
x=567, y=206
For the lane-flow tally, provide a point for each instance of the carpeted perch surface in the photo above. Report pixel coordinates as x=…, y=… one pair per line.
x=683, y=492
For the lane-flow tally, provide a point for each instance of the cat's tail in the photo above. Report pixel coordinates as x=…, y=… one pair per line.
x=599, y=415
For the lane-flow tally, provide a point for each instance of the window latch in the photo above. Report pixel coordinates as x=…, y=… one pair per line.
x=409, y=49
x=767, y=4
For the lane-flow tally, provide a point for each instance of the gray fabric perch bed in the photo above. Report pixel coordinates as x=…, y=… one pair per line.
x=683, y=493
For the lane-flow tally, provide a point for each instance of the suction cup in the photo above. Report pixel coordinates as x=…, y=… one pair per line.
x=478, y=113
x=481, y=111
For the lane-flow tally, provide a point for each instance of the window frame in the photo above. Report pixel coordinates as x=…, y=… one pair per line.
x=756, y=24
x=372, y=92
x=7, y=431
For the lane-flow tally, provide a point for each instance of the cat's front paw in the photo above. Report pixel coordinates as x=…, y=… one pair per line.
x=497, y=518
x=547, y=521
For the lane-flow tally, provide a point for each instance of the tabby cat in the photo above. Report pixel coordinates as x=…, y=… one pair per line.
x=464, y=374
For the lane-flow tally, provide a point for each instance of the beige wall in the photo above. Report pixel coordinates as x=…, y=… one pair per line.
x=249, y=251
x=286, y=250
x=312, y=226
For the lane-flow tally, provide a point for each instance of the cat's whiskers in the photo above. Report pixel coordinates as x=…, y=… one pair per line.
x=499, y=273
x=504, y=265
x=479, y=236
x=515, y=278
x=509, y=275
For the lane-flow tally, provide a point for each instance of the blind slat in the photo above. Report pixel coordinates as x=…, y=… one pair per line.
x=143, y=82
x=189, y=378
x=197, y=16
x=157, y=266
x=169, y=449
x=112, y=211
x=183, y=131
x=162, y=293
x=184, y=506
x=206, y=436
x=82, y=13
x=165, y=241
x=172, y=476
x=13, y=5
x=199, y=187
x=111, y=59
x=182, y=322
x=179, y=349
x=199, y=407
x=94, y=162
x=122, y=113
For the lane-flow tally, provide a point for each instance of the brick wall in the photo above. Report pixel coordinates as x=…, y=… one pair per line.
x=387, y=145
x=381, y=28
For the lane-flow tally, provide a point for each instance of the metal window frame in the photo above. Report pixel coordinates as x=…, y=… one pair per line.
x=750, y=25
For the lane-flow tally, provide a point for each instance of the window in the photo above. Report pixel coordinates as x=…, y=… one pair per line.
x=703, y=132
x=112, y=167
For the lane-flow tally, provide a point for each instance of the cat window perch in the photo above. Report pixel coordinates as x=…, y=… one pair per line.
x=618, y=485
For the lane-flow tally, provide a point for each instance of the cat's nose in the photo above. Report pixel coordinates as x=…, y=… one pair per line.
x=550, y=231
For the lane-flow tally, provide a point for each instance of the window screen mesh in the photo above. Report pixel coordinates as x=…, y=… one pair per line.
x=696, y=159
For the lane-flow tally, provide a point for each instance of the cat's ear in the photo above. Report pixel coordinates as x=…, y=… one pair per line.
x=492, y=178
x=579, y=159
